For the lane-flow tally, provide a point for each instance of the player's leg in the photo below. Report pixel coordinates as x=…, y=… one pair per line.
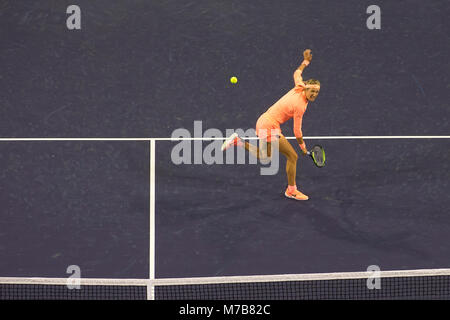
x=291, y=159
x=266, y=131
x=261, y=152
x=291, y=169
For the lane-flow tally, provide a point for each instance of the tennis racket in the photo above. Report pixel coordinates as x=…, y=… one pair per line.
x=317, y=153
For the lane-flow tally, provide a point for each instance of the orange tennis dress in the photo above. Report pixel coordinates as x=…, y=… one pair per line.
x=292, y=105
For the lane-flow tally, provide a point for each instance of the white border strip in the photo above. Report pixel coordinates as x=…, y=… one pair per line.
x=222, y=138
x=300, y=277
x=230, y=279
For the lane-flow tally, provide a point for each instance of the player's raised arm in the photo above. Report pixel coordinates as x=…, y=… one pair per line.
x=307, y=57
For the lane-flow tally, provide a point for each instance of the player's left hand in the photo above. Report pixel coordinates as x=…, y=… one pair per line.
x=307, y=55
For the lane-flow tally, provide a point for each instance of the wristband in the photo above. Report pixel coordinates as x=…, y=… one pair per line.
x=305, y=62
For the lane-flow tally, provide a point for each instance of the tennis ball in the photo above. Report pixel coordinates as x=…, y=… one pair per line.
x=233, y=80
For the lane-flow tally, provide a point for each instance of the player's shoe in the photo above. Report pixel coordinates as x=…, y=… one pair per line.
x=297, y=195
x=233, y=140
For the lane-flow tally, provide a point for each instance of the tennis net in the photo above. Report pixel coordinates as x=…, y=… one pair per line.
x=431, y=284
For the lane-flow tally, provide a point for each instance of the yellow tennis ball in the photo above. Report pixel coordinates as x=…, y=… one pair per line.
x=233, y=80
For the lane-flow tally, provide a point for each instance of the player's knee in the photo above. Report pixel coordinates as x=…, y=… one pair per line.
x=293, y=156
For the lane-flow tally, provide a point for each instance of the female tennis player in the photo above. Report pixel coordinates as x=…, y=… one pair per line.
x=292, y=105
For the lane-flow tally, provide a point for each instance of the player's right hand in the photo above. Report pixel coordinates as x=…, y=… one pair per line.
x=307, y=55
x=303, y=148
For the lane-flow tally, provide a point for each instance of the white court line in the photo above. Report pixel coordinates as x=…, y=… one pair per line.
x=222, y=138
x=150, y=288
x=317, y=138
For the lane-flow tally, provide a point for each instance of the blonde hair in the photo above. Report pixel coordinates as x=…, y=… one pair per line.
x=312, y=81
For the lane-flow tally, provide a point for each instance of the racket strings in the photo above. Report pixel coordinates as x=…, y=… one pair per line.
x=318, y=156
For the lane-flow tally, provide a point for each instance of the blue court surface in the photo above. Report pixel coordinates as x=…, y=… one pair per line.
x=138, y=70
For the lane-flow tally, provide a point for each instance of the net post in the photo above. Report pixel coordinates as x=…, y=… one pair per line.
x=150, y=291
